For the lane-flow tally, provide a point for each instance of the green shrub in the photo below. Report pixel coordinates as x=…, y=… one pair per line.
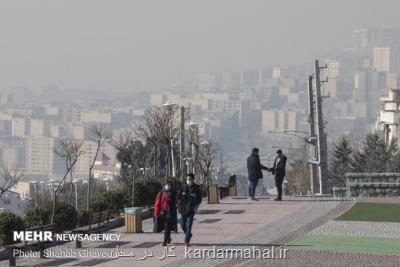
x=152, y=188
x=65, y=216
x=83, y=217
x=9, y=222
x=112, y=200
x=37, y=216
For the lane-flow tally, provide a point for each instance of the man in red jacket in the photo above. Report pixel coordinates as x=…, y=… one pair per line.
x=165, y=212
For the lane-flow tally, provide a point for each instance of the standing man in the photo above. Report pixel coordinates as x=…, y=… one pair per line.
x=279, y=170
x=189, y=199
x=254, y=169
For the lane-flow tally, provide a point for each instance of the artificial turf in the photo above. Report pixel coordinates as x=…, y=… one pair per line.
x=375, y=212
x=351, y=244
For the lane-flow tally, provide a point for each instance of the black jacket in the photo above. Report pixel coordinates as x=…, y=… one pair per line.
x=254, y=167
x=279, y=168
x=189, y=197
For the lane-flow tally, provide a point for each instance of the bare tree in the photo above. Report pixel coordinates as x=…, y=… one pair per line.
x=11, y=176
x=207, y=153
x=298, y=176
x=70, y=150
x=99, y=135
x=159, y=127
x=167, y=127
x=122, y=143
x=146, y=131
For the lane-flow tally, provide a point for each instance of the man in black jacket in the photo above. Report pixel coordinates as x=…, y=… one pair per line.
x=279, y=170
x=189, y=199
x=254, y=168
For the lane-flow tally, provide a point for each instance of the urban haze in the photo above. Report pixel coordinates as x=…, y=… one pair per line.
x=239, y=69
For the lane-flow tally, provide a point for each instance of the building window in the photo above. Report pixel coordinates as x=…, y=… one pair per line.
x=7, y=201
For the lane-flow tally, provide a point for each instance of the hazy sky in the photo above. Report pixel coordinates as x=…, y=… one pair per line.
x=121, y=44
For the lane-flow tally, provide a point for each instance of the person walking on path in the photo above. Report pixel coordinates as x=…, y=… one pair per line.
x=165, y=213
x=189, y=198
x=254, y=168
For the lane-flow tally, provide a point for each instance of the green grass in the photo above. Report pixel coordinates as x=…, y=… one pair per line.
x=376, y=212
x=369, y=245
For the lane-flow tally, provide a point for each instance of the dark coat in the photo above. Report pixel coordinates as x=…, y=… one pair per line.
x=279, y=168
x=254, y=167
x=168, y=205
x=189, y=197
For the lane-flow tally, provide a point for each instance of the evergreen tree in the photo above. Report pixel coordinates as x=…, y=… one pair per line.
x=341, y=162
x=375, y=156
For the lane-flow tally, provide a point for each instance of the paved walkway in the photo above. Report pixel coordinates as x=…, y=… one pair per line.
x=318, y=259
x=359, y=228
x=234, y=224
x=245, y=218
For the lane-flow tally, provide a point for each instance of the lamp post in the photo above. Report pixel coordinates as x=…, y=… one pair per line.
x=34, y=192
x=42, y=190
x=130, y=168
x=195, y=139
x=170, y=106
x=51, y=187
x=75, y=182
x=187, y=163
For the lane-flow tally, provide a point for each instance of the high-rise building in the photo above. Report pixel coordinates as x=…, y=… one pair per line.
x=368, y=37
x=39, y=155
x=386, y=59
x=18, y=127
x=368, y=86
x=230, y=81
x=280, y=119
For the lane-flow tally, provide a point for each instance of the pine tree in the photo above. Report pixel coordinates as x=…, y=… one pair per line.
x=341, y=162
x=375, y=156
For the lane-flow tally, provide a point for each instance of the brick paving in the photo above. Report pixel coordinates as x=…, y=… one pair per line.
x=261, y=224
x=289, y=228
x=318, y=259
x=257, y=215
x=359, y=228
x=378, y=199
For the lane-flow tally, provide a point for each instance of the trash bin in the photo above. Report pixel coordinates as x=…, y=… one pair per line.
x=133, y=220
x=223, y=191
x=212, y=194
x=232, y=186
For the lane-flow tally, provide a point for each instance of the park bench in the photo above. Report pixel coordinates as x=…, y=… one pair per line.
x=31, y=245
x=98, y=222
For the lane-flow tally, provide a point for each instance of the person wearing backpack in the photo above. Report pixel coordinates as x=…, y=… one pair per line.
x=165, y=213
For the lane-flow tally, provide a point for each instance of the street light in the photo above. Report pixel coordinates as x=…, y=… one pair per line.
x=75, y=182
x=203, y=143
x=42, y=184
x=195, y=138
x=130, y=167
x=187, y=161
x=288, y=148
x=170, y=106
x=287, y=131
x=35, y=192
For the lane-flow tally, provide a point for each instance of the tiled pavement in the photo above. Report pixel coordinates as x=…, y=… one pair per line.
x=242, y=223
x=359, y=228
x=230, y=227
x=318, y=259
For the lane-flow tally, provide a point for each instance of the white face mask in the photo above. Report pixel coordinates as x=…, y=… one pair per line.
x=167, y=187
x=189, y=182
